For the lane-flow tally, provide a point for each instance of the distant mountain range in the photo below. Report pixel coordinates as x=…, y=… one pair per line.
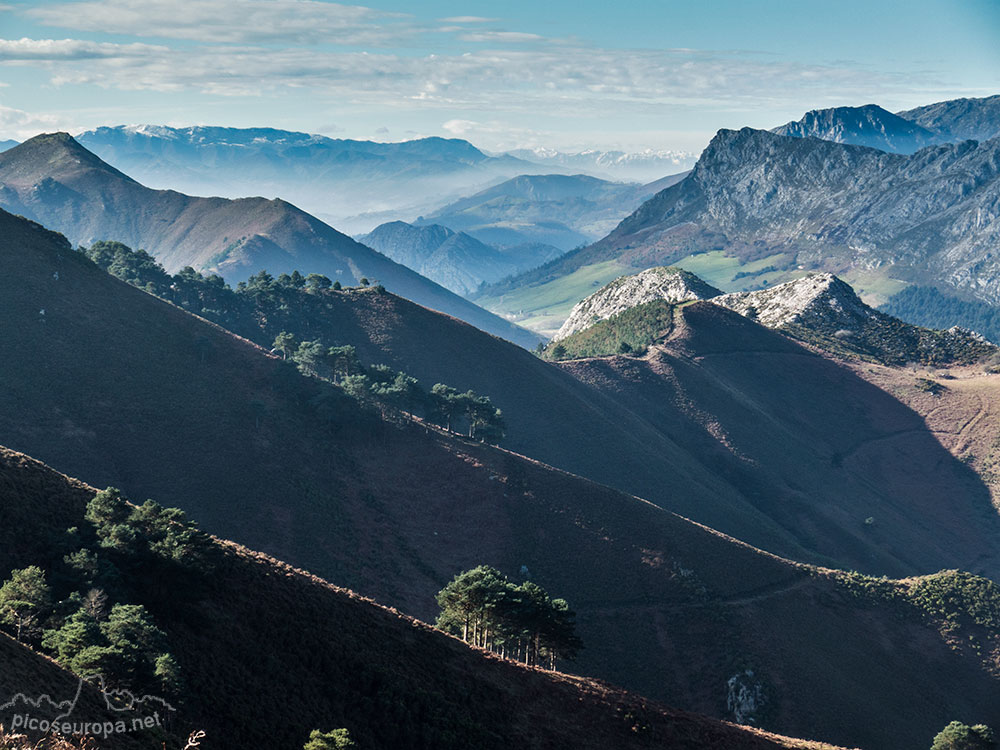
x=564, y=211
x=455, y=260
x=638, y=166
x=55, y=180
x=352, y=184
x=4, y=145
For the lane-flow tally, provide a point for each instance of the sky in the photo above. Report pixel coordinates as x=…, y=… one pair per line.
x=562, y=74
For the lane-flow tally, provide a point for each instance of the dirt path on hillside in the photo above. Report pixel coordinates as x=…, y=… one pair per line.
x=736, y=600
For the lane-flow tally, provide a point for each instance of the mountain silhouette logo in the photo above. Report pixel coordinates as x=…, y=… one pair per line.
x=122, y=712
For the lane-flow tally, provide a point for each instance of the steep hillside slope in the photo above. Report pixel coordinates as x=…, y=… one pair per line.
x=560, y=210
x=54, y=180
x=455, y=260
x=551, y=416
x=353, y=184
x=142, y=395
x=392, y=681
x=869, y=125
x=960, y=119
x=669, y=284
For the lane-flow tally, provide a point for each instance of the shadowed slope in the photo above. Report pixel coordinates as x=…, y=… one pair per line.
x=142, y=395
x=331, y=659
x=844, y=467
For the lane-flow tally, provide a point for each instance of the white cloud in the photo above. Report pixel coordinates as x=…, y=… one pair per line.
x=467, y=19
x=49, y=50
x=500, y=36
x=231, y=21
x=16, y=124
x=551, y=80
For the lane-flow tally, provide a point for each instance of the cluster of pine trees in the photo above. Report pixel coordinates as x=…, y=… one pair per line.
x=394, y=393
x=516, y=621
x=78, y=612
x=254, y=306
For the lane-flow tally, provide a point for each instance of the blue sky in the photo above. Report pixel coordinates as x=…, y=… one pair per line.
x=563, y=74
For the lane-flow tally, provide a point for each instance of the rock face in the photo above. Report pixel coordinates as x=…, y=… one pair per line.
x=934, y=215
x=959, y=119
x=817, y=299
x=823, y=310
x=869, y=125
x=670, y=284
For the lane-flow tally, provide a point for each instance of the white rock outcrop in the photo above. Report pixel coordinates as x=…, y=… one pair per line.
x=670, y=284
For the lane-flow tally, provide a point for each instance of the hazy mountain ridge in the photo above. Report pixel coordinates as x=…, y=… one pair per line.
x=560, y=210
x=455, y=260
x=669, y=284
x=640, y=166
x=56, y=181
x=346, y=181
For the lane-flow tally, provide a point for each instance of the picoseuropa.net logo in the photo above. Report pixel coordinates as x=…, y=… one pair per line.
x=113, y=712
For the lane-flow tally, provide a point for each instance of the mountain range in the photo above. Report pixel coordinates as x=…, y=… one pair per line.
x=455, y=260
x=564, y=211
x=760, y=208
x=352, y=184
x=636, y=166
x=288, y=464
x=53, y=179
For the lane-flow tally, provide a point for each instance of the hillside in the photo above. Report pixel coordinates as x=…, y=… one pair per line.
x=761, y=208
x=869, y=125
x=313, y=479
x=352, y=184
x=391, y=680
x=455, y=260
x=555, y=418
x=54, y=180
x=560, y=210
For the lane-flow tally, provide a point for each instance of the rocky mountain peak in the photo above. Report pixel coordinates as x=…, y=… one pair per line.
x=817, y=299
x=671, y=284
x=868, y=125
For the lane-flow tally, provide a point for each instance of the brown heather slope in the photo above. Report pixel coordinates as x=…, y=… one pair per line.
x=960, y=407
x=843, y=465
x=270, y=652
x=54, y=180
x=752, y=441
x=119, y=388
